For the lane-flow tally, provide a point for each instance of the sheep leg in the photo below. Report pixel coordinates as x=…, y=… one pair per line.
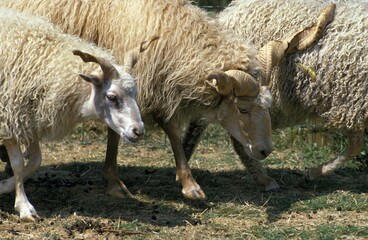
x=255, y=168
x=258, y=173
x=190, y=187
x=192, y=136
x=33, y=153
x=5, y=158
x=355, y=144
x=115, y=186
x=22, y=205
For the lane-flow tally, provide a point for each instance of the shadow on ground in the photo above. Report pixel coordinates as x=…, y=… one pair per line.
x=78, y=188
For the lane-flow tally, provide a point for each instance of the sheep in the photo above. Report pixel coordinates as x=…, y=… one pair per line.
x=311, y=84
x=41, y=96
x=197, y=70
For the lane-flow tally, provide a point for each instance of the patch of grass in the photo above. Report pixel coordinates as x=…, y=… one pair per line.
x=337, y=201
x=323, y=232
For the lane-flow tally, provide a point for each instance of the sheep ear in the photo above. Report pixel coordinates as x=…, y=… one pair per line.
x=221, y=82
x=131, y=57
x=274, y=51
x=91, y=79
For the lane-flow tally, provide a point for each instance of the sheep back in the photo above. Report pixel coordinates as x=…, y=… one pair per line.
x=41, y=93
x=171, y=74
x=338, y=92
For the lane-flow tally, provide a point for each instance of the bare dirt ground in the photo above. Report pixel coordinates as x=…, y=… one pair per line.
x=68, y=193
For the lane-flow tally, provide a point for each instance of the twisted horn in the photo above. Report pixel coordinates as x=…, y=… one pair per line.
x=244, y=84
x=271, y=54
x=108, y=69
x=221, y=82
x=131, y=57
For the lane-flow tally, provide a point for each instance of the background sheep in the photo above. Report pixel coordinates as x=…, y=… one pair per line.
x=328, y=81
x=173, y=78
x=41, y=95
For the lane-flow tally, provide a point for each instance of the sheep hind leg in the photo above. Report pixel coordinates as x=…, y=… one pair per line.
x=33, y=153
x=190, y=188
x=5, y=158
x=355, y=144
x=255, y=168
x=115, y=186
x=22, y=205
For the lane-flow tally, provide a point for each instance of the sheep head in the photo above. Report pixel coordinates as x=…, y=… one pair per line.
x=243, y=110
x=112, y=98
x=273, y=52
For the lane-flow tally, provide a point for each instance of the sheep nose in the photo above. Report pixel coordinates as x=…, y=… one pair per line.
x=139, y=132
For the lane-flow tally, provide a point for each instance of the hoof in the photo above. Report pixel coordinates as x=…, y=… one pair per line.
x=30, y=219
x=119, y=193
x=307, y=176
x=118, y=190
x=194, y=194
x=272, y=186
x=33, y=217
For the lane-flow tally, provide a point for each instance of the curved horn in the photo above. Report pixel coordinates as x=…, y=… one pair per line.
x=131, y=57
x=108, y=69
x=306, y=37
x=244, y=84
x=221, y=82
x=271, y=54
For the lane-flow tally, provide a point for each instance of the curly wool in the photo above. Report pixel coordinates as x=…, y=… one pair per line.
x=172, y=72
x=40, y=90
x=338, y=93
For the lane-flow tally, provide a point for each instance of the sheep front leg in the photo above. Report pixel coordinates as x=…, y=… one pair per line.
x=192, y=136
x=190, y=187
x=115, y=186
x=22, y=205
x=255, y=168
x=355, y=144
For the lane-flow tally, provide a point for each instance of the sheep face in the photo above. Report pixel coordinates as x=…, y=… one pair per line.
x=243, y=111
x=113, y=99
x=115, y=103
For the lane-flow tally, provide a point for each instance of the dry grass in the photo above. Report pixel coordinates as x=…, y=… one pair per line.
x=68, y=192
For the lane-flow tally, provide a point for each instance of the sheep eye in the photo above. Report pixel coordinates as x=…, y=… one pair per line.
x=111, y=97
x=243, y=111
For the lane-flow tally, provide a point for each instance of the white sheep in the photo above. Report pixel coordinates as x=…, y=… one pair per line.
x=42, y=97
x=328, y=81
x=195, y=71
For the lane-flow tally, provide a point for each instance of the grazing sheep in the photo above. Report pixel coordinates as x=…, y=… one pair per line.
x=42, y=97
x=195, y=71
x=327, y=82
